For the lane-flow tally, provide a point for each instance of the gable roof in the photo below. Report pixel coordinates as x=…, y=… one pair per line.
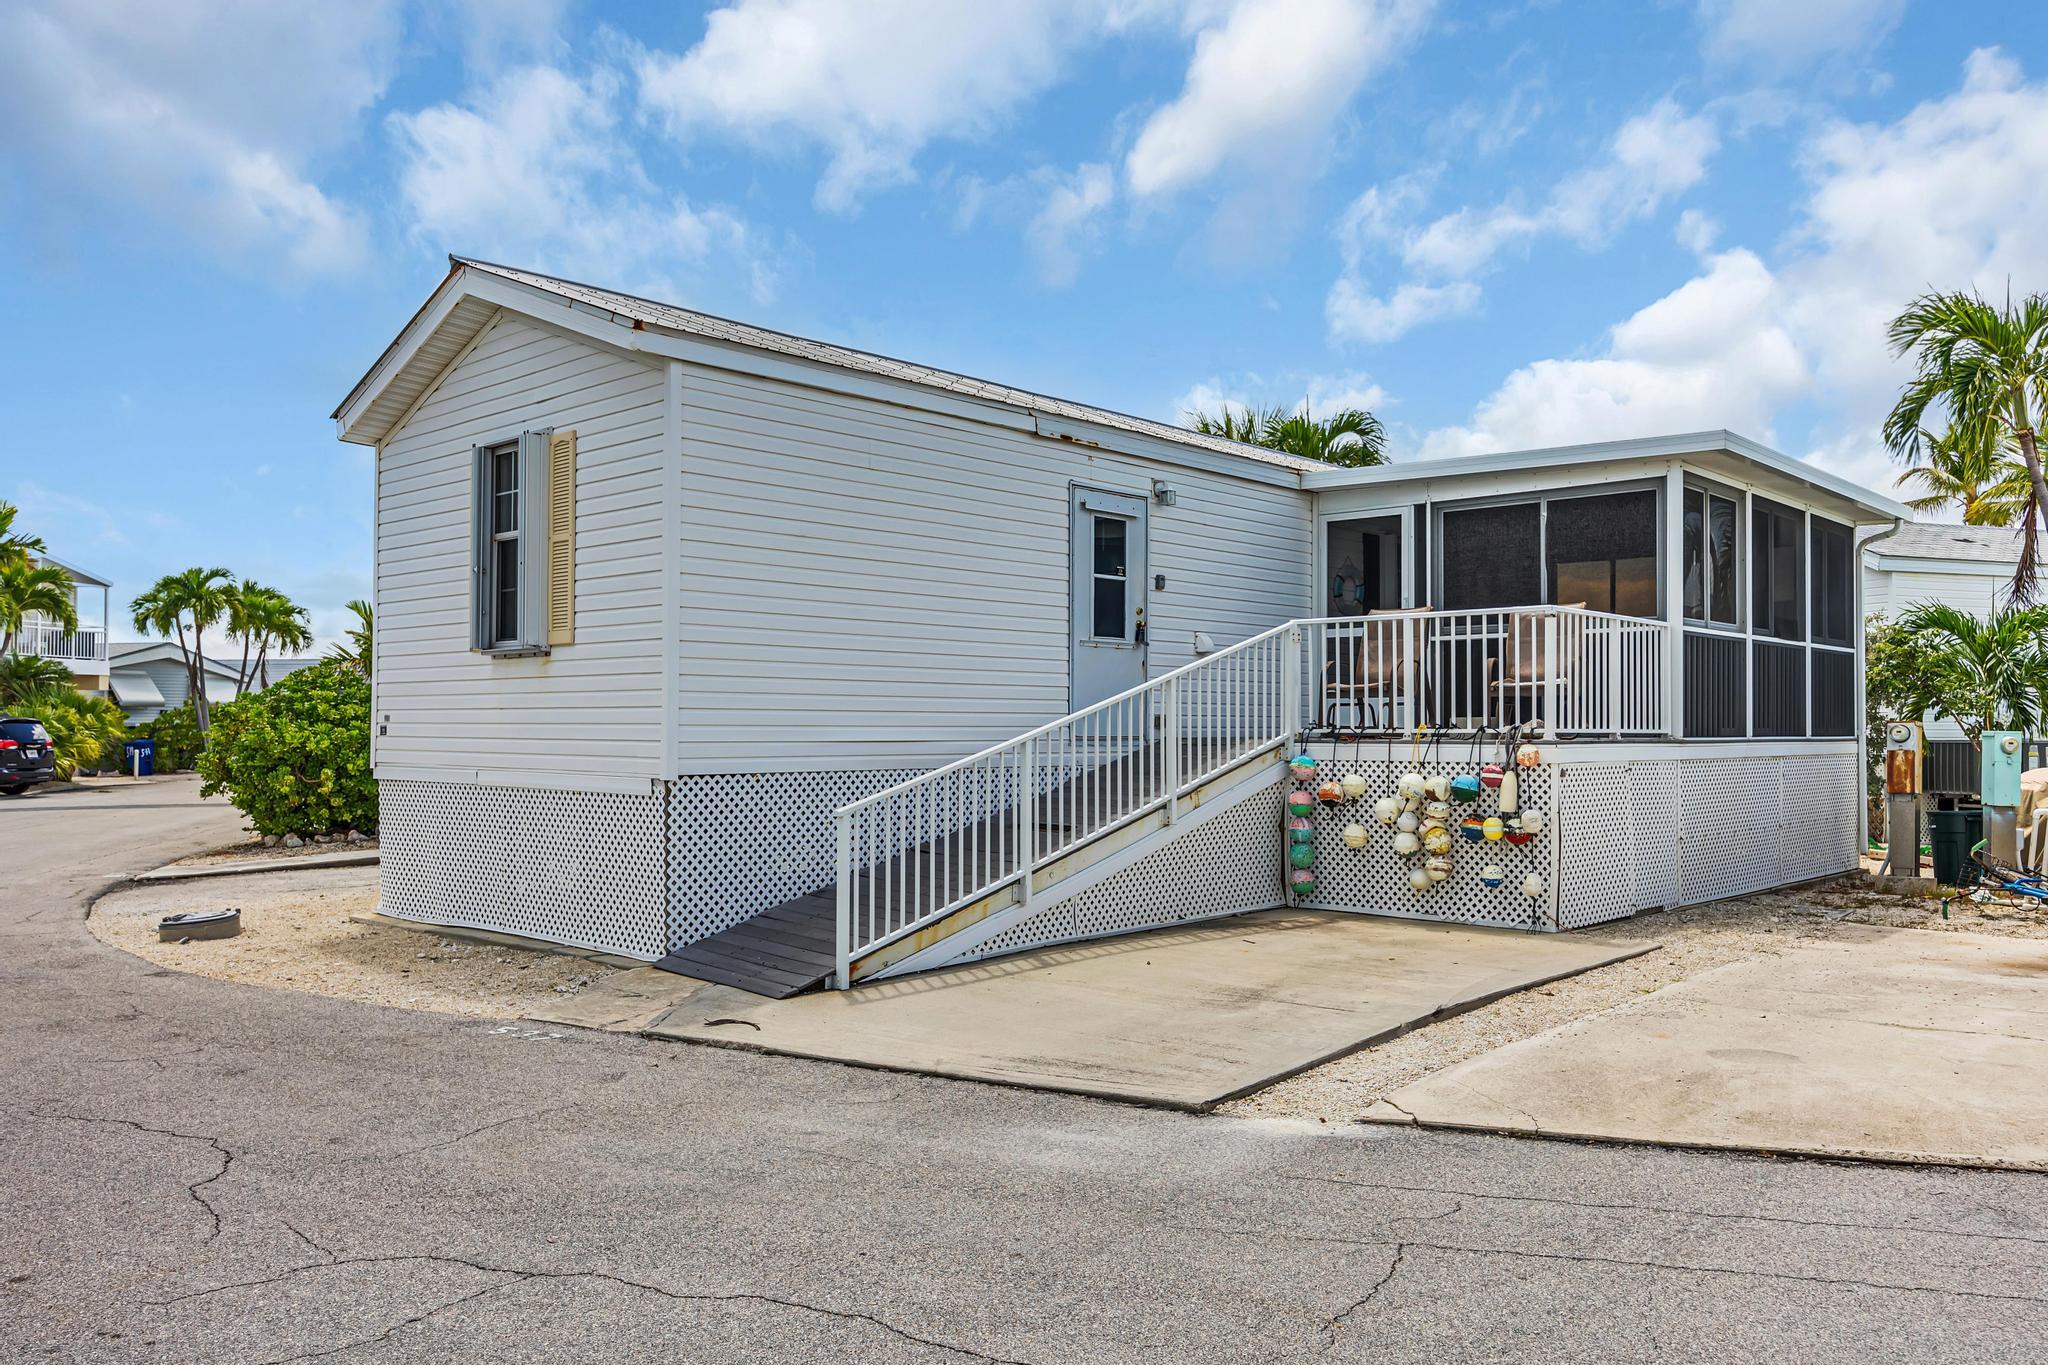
x=132, y=652
x=445, y=340
x=77, y=574
x=1996, y=545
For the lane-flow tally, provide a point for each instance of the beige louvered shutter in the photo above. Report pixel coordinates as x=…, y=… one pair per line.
x=561, y=538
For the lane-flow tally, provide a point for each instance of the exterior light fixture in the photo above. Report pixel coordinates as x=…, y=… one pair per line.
x=1163, y=493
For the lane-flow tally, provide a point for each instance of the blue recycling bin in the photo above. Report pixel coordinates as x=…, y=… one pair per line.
x=141, y=756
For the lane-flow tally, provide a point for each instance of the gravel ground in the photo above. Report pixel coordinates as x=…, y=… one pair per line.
x=1693, y=940
x=297, y=935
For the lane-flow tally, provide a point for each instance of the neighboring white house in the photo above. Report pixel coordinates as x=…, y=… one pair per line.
x=150, y=677
x=658, y=593
x=84, y=650
x=1970, y=567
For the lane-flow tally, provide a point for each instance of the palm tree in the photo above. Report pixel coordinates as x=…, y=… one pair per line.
x=357, y=650
x=1987, y=673
x=21, y=674
x=1988, y=368
x=197, y=596
x=15, y=549
x=279, y=621
x=25, y=588
x=1985, y=482
x=1350, y=437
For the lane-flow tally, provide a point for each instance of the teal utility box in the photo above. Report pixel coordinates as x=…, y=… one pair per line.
x=2003, y=753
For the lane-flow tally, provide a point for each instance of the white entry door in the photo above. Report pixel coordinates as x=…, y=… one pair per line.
x=1108, y=611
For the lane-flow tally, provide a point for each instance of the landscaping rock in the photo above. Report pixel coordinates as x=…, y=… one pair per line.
x=356, y=836
x=270, y=841
x=292, y=841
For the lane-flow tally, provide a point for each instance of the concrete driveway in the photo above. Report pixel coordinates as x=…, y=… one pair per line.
x=1892, y=1044
x=197, y=1171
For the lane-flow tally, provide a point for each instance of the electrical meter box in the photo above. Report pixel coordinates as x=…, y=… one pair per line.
x=2003, y=754
x=1902, y=758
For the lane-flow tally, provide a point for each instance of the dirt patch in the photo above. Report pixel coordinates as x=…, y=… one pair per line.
x=252, y=851
x=296, y=935
x=1693, y=940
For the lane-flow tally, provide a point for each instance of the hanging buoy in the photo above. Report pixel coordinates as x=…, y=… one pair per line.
x=1464, y=787
x=1385, y=810
x=1354, y=786
x=1408, y=822
x=1304, y=766
x=1301, y=803
x=1473, y=828
x=1412, y=784
x=1532, y=821
x=1510, y=792
x=1301, y=830
x=1439, y=787
x=1491, y=876
x=1331, y=793
x=1489, y=776
x=1436, y=839
x=1493, y=828
x=1301, y=882
x=1529, y=758
x=1439, y=811
x=1438, y=869
x=1406, y=843
x=1302, y=855
x=1532, y=886
x=1418, y=877
x=1354, y=836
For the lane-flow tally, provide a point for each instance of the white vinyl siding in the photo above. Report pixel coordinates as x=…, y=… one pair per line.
x=874, y=586
x=589, y=711
x=1891, y=591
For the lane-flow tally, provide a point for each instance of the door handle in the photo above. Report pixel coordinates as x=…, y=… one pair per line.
x=1139, y=637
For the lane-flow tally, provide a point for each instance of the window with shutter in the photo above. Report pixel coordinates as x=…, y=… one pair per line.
x=562, y=538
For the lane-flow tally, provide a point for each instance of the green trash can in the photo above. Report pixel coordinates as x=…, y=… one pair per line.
x=1956, y=832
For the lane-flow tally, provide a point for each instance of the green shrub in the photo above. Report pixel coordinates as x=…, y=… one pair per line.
x=296, y=759
x=176, y=733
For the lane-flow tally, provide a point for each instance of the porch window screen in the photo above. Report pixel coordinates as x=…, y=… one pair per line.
x=1710, y=558
x=1492, y=556
x=1602, y=551
x=1776, y=571
x=1833, y=595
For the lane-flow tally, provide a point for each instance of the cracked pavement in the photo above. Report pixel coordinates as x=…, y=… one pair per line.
x=198, y=1171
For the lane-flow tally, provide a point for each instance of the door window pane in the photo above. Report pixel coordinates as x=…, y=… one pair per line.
x=1695, y=555
x=1721, y=556
x=1602, y=552
x=1112, y=544
x=1491, y=557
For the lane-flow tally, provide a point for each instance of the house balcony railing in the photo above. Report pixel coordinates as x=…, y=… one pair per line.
x=54, y=642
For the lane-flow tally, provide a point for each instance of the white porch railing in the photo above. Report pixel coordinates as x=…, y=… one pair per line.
x=914, y=853
x=85, y=645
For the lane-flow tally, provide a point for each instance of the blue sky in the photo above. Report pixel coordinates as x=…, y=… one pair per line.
x=1498, y=225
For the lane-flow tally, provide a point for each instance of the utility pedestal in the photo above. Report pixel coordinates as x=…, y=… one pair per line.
x=2000, y=788
x=1902, y=799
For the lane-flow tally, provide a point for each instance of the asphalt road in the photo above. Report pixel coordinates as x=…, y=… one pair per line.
x=196, y=1171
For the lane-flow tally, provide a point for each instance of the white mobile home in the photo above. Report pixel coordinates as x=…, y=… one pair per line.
x=786, y=660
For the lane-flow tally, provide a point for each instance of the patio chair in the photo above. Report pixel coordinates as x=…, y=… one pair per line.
x=1365, y=673
x=1521, y=672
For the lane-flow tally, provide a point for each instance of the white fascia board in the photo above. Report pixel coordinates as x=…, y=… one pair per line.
x=1648, y=449
x=1977, y=568
x=395, y=358
x=628, y=334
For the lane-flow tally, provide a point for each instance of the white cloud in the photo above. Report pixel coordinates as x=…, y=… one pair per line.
x=1267, y=80
x=1324, y=393
x=1651, y=157
x=1709, y=354
x=1949, y=196
x=534, y=170
x=1697, y=231
x=1781, y=36
x=1067, y=218
x=202, y=114
x=870, y=83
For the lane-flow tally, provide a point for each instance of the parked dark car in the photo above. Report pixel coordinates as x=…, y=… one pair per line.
x=26, y=756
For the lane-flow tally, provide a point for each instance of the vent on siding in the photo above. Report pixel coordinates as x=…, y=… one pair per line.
x=562, y=538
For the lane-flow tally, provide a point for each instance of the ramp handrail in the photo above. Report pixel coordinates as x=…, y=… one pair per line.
x=912, y=854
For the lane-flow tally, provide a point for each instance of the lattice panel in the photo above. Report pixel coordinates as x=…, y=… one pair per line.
x=1225, y=866
x=747, y=842
x=1817, y=835
x=1596, y=877
x=1728, y=827
x=1374, y=880
x=581, y=868
x=1657, y=796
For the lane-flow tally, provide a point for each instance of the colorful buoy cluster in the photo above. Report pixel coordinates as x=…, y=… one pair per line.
x=1420, y=812
x=1301, y=825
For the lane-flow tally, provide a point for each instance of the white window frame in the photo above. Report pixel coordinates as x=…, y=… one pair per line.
x=1707, y=490
x=530, y=452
